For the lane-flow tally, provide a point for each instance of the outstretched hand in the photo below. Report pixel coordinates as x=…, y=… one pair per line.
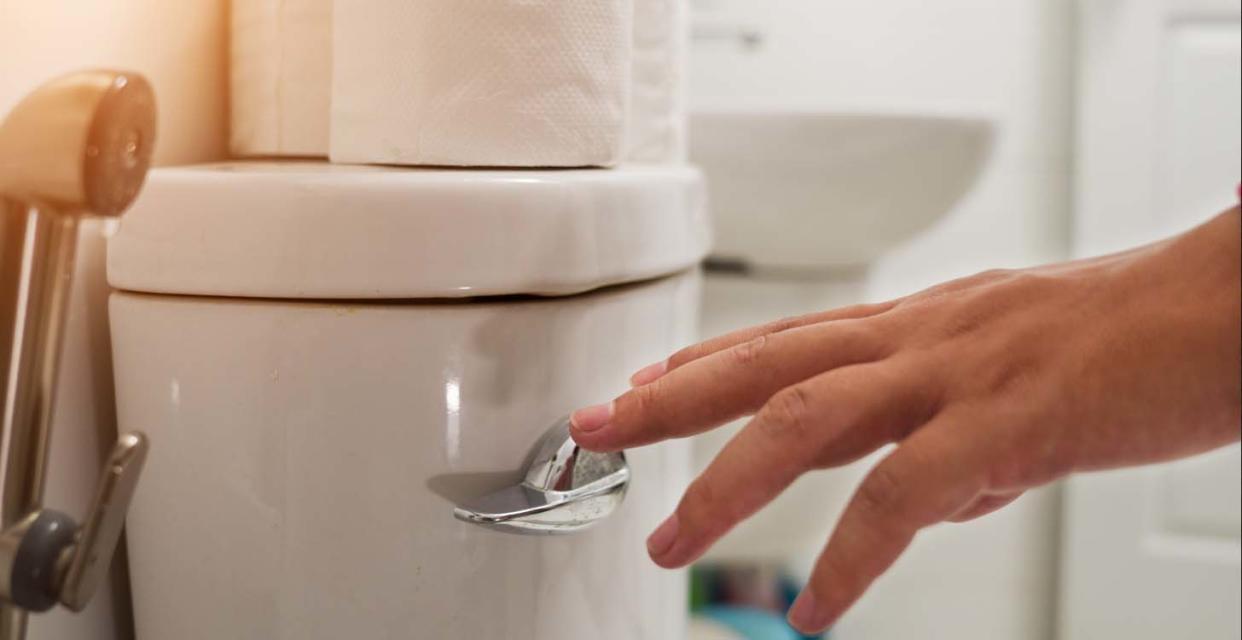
x=989, y=386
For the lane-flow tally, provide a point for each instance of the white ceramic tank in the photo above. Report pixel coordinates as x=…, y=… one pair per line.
x=322, y=383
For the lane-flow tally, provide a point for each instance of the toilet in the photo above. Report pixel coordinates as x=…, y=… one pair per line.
x=330, y=361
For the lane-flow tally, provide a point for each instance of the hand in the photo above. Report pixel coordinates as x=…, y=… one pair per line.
x=989, y=385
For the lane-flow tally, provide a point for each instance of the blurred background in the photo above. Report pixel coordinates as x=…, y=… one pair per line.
x=977, y=134
x=1111, y=122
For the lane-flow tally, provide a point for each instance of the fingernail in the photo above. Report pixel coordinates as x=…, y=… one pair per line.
x=807, y=615
x=592, y=418
x=649, y=373
x=661, y=540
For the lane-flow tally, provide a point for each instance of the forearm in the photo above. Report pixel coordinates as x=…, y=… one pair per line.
x=1179, y=303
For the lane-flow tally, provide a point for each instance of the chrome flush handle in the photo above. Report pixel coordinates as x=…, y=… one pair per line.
x=564, y=489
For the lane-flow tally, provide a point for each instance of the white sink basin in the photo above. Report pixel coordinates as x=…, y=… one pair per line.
x=809, y=190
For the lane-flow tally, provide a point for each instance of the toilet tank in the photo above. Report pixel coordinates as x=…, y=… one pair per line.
x=328, y=360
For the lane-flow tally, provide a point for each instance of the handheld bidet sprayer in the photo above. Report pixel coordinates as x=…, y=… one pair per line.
x=77, y=146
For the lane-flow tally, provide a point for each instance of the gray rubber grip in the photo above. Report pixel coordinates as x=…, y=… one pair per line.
x=33, y=583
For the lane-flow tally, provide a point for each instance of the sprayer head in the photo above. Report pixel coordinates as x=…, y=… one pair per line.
x=80, y=143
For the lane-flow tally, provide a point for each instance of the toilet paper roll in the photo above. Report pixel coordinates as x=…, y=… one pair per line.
x=656, y=127
x=281, y=57
x=480, y=82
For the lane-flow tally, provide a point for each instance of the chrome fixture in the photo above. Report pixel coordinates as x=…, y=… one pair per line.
x=78, y=146
x=564, y=489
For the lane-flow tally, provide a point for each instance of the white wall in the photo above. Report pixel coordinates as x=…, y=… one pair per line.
x=178, y=44
x=1010, y=60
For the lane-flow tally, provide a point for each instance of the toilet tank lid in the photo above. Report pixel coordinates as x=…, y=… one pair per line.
x=315, y=230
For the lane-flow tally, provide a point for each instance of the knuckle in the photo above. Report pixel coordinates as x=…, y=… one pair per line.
x=969, y=318
x=700, y=495
x=1027, y=459
x=870, y=337
x=645, y=407
x=959, y=287
x=1031, y=279
x=748, y=353
x=971, y=314
x=786, y=417
x=703, y=506
x=881, y=491
x=783, y=324
x=969, y=282
x=992, y=275
x=1007, y=376
x=1004, y=364
x=643, y=399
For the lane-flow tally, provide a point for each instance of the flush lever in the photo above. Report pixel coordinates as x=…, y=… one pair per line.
x=564, y=489
x=78, y=146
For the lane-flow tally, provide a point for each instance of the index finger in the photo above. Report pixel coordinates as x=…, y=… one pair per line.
x=725, y=385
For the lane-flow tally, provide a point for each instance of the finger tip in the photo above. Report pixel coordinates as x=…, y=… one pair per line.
x=809, y=615
x=668, y=547
x=667, y=561
x=593, y=418
x=589, y=441
x=804, y=630
x=679, y=557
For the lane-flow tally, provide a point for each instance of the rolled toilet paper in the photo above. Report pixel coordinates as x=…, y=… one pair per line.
x=656, y=127
x=281, y=84
x=527, y=83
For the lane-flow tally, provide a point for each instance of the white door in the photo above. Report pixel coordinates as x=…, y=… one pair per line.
x=1155, y=552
